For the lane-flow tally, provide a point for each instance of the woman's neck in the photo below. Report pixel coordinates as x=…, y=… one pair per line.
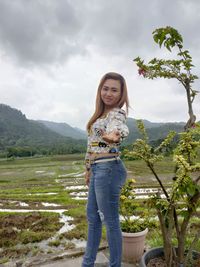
x=108, y=109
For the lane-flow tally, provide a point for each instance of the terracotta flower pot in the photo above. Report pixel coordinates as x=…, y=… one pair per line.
x=133, y=245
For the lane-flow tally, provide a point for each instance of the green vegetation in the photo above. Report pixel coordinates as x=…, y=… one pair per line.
x=175, y=219
x=26, y=228
x=54, y=243
x=128, y=207
x=30, y=180
x=21, y=137
x=79, y=232
x=156, y=131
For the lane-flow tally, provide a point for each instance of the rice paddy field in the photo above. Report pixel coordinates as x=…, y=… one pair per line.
x=43, y=200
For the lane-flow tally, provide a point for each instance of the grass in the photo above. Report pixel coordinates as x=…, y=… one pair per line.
x=77, y=212
x=79, y=232
x=54, y=243
x=23, y=179
x=139, y=168
x=26, y=228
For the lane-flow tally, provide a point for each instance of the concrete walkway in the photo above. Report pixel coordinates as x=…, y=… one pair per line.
x=101, y=261
x=73, y=259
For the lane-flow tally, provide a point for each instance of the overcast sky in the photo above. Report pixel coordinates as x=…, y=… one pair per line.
x=53, y=54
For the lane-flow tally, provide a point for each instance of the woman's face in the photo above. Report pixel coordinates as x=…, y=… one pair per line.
x=111, y=93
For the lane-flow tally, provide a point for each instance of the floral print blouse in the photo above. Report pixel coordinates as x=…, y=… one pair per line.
x=114, y=120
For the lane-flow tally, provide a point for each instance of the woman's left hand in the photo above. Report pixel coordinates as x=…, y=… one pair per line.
x=87, y=177
x=112, y=137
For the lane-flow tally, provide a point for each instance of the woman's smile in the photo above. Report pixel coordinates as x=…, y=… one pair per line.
x=111, y=92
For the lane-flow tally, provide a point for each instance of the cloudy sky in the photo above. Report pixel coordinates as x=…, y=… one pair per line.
x=53, y=54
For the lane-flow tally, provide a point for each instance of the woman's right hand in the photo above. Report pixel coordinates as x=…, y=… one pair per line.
x=87, y=177
x=112, y=137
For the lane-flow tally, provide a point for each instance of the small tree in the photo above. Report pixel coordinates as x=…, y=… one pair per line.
x=179, y=69
x=179, y=203
x=128, y=207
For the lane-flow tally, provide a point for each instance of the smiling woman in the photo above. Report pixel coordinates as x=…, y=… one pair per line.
x=111, y=93
x=105, y=172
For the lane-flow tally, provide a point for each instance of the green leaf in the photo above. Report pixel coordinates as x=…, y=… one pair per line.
x=162, y=39
x=191, y=190
x=184, y=213
x=136, y=59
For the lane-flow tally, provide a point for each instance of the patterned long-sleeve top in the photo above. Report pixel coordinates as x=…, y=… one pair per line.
x=114, y=120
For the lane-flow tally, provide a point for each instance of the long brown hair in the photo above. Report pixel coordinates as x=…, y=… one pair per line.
x=100, y=106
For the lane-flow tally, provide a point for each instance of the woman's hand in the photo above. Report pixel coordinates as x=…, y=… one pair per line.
x=112, y=137
x=87, y=177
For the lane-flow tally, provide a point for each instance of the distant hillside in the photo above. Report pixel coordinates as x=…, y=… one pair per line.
x=65, y=129
x=17, y=131
x=81, y=131
x=155, y=130
x=149, y=124
x=51, y=137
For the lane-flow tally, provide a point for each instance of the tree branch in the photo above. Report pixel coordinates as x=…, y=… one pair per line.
x=158, y=179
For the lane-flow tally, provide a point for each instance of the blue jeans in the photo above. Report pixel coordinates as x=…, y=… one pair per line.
x=106, y=181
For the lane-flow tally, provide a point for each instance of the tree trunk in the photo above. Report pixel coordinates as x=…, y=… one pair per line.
x=167, y=236
x=192, y=117
x=181, y=249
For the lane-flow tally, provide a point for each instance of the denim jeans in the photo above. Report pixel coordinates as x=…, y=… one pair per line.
x=106, y=181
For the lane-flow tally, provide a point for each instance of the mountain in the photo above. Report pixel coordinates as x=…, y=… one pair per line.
x=17, y=131
x=154, y=130
x=149, y=124
x=81, y=131
x=51, y=137
x=64, y=129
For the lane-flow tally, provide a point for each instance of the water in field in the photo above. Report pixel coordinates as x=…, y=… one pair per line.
x=55, y=186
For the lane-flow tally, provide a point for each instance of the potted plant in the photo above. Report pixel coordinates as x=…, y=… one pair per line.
x=179, y=203
x=134, y=227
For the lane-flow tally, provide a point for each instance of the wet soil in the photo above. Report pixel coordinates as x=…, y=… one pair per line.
x=25, y=228
x=160, y=262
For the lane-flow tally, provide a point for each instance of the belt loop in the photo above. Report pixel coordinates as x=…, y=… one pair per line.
x=117, y=159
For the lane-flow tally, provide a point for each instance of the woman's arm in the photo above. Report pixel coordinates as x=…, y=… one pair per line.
x=113, y=137
x=87, y=168
x=116, y=129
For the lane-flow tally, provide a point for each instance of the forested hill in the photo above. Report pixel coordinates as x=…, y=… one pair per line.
x=65, y=129
x=17, y=131
x=43, y=137
x=155, y=130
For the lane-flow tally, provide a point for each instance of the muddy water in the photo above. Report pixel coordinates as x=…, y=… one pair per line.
x=67, y=220
x=72, y=178
x=141, y=193
x=74, y=183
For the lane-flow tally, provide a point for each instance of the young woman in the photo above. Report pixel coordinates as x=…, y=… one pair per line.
x=105, y=172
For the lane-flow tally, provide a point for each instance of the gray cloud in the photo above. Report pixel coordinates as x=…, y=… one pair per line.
x=58, y=50
x=124, y=27
x=39, y=31
x=52, y=31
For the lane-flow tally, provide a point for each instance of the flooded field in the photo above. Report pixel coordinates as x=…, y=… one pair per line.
x=42, y=203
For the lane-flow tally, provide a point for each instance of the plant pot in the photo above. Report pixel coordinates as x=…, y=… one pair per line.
x=151, y=254
x=156, y=253
x=133, y=245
